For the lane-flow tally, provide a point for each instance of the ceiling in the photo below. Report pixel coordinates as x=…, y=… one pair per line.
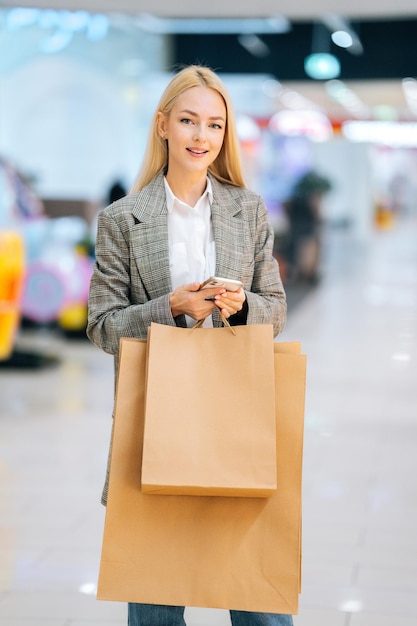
x=302, y=9
x=374, y=77
x=376, y=84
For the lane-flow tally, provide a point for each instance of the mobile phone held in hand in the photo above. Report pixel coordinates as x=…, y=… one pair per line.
x=227, y=283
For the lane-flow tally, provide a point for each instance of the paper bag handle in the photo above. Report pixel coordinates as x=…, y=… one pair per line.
x=199, y=323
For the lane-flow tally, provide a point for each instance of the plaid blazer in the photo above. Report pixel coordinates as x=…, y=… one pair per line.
x=131, y=280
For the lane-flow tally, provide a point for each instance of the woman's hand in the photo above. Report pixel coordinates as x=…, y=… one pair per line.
x=190, y=300
x=230, y=302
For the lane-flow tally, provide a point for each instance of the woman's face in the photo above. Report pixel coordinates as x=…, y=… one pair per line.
x=194, y=129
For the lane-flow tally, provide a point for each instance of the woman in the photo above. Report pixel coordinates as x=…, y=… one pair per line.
x=187, y=218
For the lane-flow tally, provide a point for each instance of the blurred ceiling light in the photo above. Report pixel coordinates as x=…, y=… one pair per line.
x=312, y=124
x=73, y=21
x=342, y=39
x=274, y=24
x=56, y=42
x=98, y=27
x=346, y=97
x=394, y=134
x=48, y=19
x=21, y=17
x=254, y=44
x=95, y=26
x=410, y=93
x=336, y=24
x=322, y=66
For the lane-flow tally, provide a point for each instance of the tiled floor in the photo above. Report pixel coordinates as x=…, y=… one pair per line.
x=359, y=329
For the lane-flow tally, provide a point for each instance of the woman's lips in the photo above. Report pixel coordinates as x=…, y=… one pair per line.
x=197, y=151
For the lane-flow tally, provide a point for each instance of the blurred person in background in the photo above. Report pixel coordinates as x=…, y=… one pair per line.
x=117, y=190
x=303, y=241
x=188, y=217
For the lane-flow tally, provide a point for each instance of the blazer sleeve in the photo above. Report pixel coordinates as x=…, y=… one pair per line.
x=265, y=299
x=111, y=312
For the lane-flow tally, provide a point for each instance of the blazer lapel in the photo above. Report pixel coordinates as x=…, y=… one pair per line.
x=228, y=229
x=150, y=238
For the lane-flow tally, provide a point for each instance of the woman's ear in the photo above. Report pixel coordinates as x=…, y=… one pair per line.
x=161, y=125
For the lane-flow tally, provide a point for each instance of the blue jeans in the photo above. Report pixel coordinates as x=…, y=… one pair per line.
x=161, y=615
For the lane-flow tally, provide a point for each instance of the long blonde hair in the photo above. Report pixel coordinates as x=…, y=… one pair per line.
x=227, y=167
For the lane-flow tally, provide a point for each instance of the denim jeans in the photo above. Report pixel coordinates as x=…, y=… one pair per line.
x=161, y=615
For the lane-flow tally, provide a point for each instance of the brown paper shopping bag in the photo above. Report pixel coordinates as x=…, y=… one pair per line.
x=219, y=552
x=210, y=412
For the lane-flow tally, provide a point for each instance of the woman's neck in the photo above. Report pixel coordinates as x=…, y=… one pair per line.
x=187, y=188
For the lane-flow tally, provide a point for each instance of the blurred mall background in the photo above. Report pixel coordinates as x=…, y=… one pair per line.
x=326, y=106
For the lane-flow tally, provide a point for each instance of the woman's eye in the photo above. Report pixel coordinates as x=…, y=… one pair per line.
x=186, y=120
x=216, y=126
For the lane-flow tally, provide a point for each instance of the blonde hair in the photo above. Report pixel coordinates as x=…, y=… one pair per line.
x=227, y=167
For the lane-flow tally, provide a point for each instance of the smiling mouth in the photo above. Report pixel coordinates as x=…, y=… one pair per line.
x=198, y=152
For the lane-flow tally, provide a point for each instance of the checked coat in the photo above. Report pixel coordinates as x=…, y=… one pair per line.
x=131, y=280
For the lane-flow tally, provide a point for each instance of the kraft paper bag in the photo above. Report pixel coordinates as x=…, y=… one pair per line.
x=210, y=412
x=219, y=552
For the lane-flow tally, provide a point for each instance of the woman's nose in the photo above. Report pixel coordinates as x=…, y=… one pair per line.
x=199, y=133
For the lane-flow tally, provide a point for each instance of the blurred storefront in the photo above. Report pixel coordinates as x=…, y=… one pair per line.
x=78, y=90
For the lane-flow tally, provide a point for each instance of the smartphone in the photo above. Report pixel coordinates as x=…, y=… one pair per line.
x=227, y=283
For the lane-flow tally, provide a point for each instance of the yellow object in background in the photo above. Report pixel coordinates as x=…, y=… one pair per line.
x=12, y=271
x=384, y=218
x=73, y=317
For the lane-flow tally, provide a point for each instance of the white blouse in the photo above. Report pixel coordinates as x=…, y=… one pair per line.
x=192, y=252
